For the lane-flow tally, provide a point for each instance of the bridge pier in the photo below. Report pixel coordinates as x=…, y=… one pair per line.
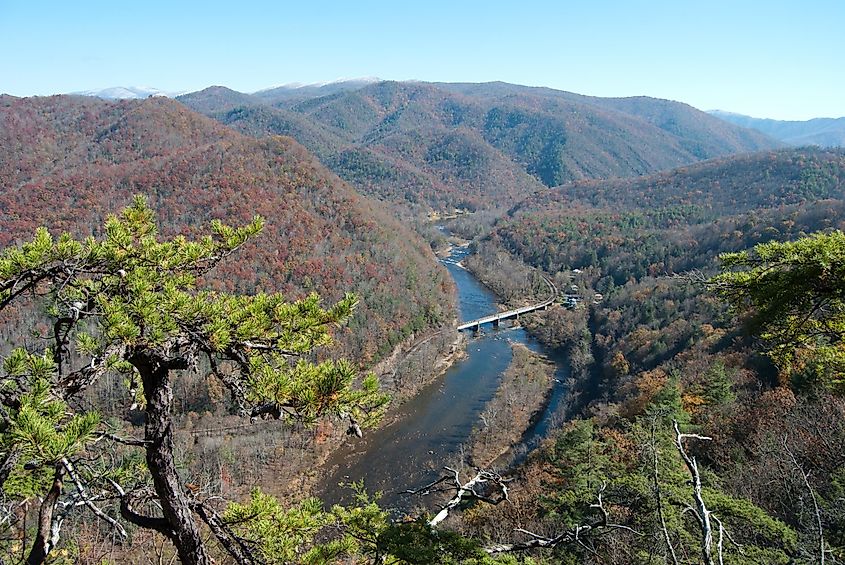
x=496, y=319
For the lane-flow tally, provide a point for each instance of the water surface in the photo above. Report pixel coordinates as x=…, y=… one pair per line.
x=431, y=428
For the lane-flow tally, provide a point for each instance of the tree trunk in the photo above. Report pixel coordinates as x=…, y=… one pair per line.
x=175, y=506
x=47, y=536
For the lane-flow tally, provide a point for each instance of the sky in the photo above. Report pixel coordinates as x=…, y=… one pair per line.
x=765, y=58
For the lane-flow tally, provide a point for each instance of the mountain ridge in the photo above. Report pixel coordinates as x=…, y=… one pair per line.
x=824, y=132
x=425, y=146
x=70, y=161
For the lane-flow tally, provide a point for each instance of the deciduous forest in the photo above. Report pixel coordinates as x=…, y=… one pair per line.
x=197, y=297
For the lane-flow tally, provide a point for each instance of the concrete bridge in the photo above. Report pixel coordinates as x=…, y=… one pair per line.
x=498, y=317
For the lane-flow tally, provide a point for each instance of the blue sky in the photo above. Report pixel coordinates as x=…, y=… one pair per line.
x=765, y=58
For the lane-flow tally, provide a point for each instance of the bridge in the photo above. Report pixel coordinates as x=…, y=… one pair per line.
x=498, y=317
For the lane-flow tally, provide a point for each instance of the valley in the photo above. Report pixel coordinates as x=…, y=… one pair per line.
x=629, y=210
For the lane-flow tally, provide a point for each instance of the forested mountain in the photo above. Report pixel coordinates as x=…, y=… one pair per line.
x=696, y=131
x=679, y=220
x=825, y=132
x=721, y=186
x=650, y=341
x=438, y=146
x=69, y=161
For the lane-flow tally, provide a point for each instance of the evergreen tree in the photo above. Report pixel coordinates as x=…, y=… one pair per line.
x=131, y=303
x=796, y=294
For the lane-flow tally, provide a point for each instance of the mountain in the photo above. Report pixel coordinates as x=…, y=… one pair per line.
x=297, y=91
x=824, y=132
x=679, y=220
x=70, y=161
x=698, y=133
x=126, y=92
x=217, y=99
x=430, y=146
x=724, y=186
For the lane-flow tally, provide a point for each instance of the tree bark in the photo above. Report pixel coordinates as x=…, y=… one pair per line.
x=46, y=537
x=185, y=534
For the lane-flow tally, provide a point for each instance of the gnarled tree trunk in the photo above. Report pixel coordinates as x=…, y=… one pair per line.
x=185, y=533
x=47, y=534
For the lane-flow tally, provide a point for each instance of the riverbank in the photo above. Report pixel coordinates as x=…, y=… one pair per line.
x=425, y=359
x=522, y=395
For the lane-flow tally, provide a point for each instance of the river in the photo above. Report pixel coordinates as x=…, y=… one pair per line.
x=430, y=429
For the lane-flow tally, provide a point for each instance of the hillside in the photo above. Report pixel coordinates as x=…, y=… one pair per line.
x=649, y=343
x=70, y=161
x=439, y=146
x=720, y=186
x=696, y=131
x=824, y=132
x=629, y=239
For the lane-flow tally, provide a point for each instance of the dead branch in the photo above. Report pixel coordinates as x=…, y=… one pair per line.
x=71, y=471
x=160, y=525
x=805, y=477
x=125, y=441
x=573, y=535
x=701, y=511
x=465, y=492
x=658, y=493
x=235, y=545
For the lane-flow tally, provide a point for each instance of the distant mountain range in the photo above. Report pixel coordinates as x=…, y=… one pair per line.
x=126, y=93
x=286, y=91
x=436, y=146
x=824, y=132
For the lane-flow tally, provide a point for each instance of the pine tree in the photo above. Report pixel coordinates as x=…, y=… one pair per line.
x=795, y=292
x=131, y=303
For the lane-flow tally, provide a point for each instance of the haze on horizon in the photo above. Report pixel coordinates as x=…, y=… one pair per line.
x=776, y=60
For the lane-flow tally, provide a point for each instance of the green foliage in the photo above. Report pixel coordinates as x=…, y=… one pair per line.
x=667, y=404
x=285, y=535
x=716, y=385
x=417, y=543
x=796, y=293
x=621, y=464
x=582, y=464
x=306, y=533
x=131, y=303
x=38, y=426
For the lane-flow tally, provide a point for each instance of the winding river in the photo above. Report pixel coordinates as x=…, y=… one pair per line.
x=431, y=428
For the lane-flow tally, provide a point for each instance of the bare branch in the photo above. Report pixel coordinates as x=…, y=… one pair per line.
x=73, y=382
x=87, y=501
x=466, y=491
x=574, y=535
x=658, y=493
x=701, y=512
x=805, y=477
x=124, y=441
x=160, y=525
x=232, y=543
